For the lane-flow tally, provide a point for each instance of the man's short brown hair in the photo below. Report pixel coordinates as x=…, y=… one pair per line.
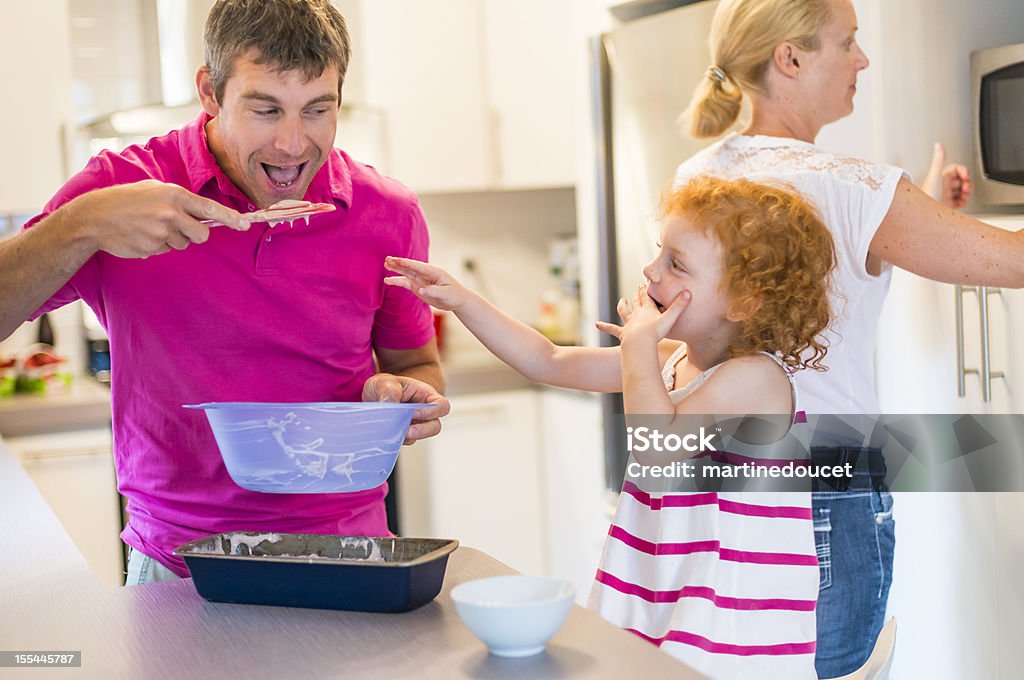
x=306, y=35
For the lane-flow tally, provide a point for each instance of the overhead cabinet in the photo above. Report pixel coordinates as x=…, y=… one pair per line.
x=476, y=95
x=37, y=80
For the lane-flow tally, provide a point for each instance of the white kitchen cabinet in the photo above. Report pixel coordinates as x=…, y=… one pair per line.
x=575, y=496
x=421, y=63
x=1005, y=323
x=531, y=51
x=74, y=472
x=34, y=47
x=483, y=478
x=476, y=95
x=917, y=356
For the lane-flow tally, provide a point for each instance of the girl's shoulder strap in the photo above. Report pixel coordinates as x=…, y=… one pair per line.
x=668, y=371
x=798, y=415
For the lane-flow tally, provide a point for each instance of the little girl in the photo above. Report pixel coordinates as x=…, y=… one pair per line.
x=733, y=302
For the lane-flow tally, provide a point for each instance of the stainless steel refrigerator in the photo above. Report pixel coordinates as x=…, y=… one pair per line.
x=644, y=73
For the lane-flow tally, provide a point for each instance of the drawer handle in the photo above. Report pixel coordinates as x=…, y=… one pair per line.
x=985, y=372
x=31, y=456
x=477, y=411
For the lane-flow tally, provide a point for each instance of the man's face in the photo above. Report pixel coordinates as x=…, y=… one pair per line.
x=272, y=130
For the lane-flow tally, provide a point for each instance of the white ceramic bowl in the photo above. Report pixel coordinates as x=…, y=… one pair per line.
x=514, y=615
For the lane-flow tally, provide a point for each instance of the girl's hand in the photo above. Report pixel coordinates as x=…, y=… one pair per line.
x=644, y=321
x=431, y=284
x=612, y=329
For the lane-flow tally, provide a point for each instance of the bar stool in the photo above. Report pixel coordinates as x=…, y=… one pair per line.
x=877, y=665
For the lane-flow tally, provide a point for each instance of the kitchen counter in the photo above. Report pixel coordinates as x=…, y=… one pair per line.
x=52, y=601
x=482, y=375
x=86, y=405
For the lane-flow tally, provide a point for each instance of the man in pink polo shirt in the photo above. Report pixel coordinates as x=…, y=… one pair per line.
x=246, y=312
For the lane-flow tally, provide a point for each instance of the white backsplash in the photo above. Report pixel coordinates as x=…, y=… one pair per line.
x=506, y=234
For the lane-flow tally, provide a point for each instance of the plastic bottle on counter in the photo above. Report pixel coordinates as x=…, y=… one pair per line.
x=547, y=322
x=560, y=304
x=559, y=318
x=567, y=313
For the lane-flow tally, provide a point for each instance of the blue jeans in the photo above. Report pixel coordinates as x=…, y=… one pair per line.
x=144, y=569
x=854, y=534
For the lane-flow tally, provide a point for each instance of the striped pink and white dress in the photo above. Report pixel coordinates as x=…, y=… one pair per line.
x=725, y=581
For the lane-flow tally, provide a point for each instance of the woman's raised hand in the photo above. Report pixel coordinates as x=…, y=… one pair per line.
x=948, y=184
x=431, y=284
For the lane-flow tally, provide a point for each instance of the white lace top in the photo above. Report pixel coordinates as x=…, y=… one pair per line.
x=852, y=196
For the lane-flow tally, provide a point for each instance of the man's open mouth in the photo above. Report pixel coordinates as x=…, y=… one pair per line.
x=283, y=176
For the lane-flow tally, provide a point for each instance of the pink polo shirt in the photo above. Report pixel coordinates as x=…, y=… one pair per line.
x=277, y=314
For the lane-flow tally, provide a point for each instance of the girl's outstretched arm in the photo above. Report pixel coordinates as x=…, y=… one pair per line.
x=596, y=369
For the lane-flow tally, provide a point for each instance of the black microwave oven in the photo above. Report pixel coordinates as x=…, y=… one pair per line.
x=997, y=82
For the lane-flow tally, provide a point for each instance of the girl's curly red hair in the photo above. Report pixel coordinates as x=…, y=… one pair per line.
x=778, y=258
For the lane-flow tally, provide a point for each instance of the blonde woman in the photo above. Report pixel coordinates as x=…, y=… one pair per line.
x=797, y=62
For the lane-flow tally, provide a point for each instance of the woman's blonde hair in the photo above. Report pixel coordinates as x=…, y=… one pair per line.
x=777, y=261
x=744, y=35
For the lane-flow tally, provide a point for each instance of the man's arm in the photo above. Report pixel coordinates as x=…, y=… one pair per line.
x=411, y=375
x=35, y=264
x=422, y=363
x=130, y=220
